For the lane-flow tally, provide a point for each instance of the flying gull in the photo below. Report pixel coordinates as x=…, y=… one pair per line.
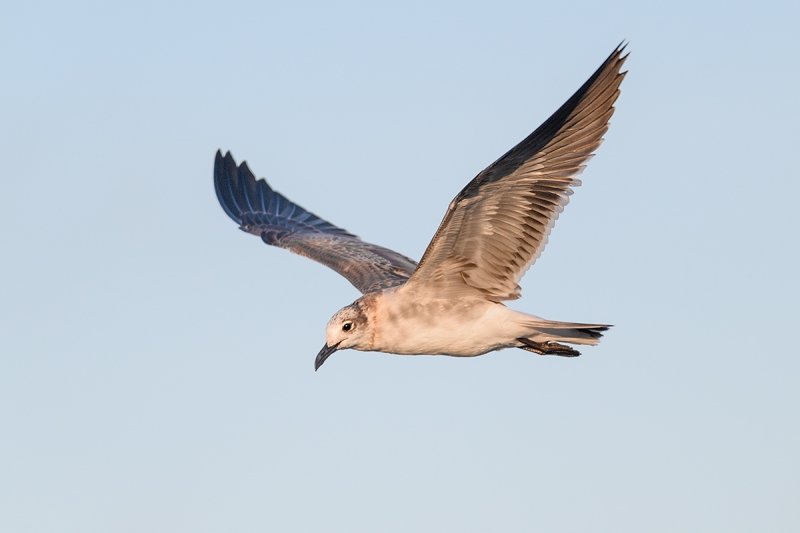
x=450, y=303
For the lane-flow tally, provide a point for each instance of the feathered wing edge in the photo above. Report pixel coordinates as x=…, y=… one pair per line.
x=498, y=224
x=260, y=210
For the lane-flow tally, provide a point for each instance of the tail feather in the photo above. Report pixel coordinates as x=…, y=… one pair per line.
x=569, y=332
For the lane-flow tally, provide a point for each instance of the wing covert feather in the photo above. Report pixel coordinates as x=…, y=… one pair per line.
x=498, y=225
x=279, y=222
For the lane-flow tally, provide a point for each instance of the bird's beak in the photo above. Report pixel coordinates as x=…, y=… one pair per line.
x=323, y=354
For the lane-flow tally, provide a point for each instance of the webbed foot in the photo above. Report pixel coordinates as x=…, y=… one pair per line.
x=547, y=348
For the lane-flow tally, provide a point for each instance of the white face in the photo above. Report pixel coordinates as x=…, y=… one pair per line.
x=347, y=329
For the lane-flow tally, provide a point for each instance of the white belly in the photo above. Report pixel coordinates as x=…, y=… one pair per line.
x=464, y=328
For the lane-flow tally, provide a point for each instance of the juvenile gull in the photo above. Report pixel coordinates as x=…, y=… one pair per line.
x=450, y=303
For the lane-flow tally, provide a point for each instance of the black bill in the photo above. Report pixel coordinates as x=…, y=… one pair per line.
x=323, y=354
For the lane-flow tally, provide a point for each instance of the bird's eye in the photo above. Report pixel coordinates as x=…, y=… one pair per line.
x=347, y=326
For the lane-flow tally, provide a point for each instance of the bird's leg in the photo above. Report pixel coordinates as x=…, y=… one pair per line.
x=547, y=348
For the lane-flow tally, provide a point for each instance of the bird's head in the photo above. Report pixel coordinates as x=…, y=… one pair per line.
x=348, y=328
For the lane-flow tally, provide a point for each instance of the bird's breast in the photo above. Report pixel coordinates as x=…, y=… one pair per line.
x=458, y=327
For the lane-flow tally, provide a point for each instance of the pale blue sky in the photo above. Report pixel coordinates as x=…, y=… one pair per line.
x=156, y=364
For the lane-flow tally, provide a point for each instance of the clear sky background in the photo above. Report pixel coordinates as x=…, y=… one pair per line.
x=156, y=363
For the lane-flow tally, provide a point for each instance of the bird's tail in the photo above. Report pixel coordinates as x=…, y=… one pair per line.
x=547, y=334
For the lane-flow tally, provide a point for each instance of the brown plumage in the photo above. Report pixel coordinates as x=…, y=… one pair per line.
x=278, y=221
x=493, y=231
x=498, y=225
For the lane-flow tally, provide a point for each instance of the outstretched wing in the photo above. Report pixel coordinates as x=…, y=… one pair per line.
x=261, y=211
x=498, y=224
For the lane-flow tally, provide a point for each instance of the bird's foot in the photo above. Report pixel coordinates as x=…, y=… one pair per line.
x=548, y=348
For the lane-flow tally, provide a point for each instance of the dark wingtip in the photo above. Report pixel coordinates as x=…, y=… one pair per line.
x=537, y=140
x=224, y=176
x=618, y=54
x=231, y=183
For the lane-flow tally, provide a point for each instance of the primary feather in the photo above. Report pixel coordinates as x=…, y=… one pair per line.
x=498, y=225
x=279, y=222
